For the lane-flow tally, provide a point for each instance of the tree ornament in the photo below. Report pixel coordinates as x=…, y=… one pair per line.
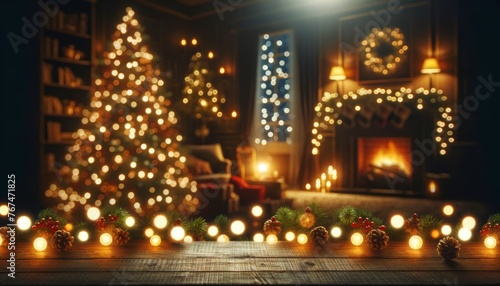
x=62, y=240
x=413, y=225
x=120, y=236
x=272, y=226
x=319, y=235
x=307, y=219
x=377, y=239
x=4, y=233
x=448, y=248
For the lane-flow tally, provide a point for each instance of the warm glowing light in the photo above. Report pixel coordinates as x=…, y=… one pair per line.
x=336, y=231
x=446, y=229
x=130, y=221
x=188, y=239
x=23, y=223
x=469, y=222
x=194, y=42
x=271, y=239
x=222, y=70
x=464, y=234
x=148, y=232
x=40, y=244
x=83, y=236
x=177, y=233
x=302, y=238
x=212, y=230
x=357, y=238
x=4, y=210
x=183, y=42
x=490, y=242
x=290, y=236
x=397, y=221
x=155, y=240
x=389, y=157
x=223, y=238
x=93, y=213
x=160, y=221
x=257, y=211
x=432, y=187
x=105, y=239
x=416, y=242
x=238, y=227
x=262, y=168
x=448, y=210
x=210, y=54
x=435, y=233
x=234, y=114
x=258, y=237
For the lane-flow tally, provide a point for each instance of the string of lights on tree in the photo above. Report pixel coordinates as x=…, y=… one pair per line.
x=335, y=109
x=200, y=97
x=125, y=152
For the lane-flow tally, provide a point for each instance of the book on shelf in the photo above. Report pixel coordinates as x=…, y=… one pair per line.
x=67, y=136
x=50, y=157
x=47, y=73
x=53, y=131
x=52, y=105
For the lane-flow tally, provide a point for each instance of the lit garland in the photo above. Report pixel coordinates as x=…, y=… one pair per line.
x=125, y=153
x=385, y=39
x=200, y=97
x=329, y=110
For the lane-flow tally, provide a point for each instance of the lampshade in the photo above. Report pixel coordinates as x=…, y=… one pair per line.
x=430, y=66
x=337, y=73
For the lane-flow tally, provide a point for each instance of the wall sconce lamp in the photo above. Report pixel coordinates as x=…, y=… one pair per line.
x=430, y=67
x=337, y=74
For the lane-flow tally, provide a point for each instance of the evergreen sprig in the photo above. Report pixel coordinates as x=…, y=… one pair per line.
x=288, y=218
x=196, y=226
x=494, y=218
x=222, y=222
x=49, y=212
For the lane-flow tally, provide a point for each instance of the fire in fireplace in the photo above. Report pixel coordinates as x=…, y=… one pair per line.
x=384, y=162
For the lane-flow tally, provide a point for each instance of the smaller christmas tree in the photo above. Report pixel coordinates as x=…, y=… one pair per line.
x=200, y=97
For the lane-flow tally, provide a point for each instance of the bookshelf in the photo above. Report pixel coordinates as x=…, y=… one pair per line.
x=67, y=62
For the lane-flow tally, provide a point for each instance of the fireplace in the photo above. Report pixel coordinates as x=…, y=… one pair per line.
x=384, y=163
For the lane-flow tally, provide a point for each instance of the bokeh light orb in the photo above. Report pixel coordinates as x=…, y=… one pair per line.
x=397, y=221
x=83, y=236
x=160, y=221
x=237, y=227
x=446, y=229
x=93, y=213
x=258, y=237
x=448, y=210
x=357, y=238
x=415, y=242
x=40, y=244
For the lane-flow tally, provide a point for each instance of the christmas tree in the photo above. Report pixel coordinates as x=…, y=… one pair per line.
x=200, y=97
x=126, y=154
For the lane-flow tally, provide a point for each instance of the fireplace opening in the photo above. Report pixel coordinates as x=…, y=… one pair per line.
x=384, y=163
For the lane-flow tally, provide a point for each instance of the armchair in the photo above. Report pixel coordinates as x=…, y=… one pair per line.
x=207, y=163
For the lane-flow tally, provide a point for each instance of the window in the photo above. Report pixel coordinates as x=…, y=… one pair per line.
x=274, y=89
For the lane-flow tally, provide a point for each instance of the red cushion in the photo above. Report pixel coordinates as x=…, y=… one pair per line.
x=239, y=182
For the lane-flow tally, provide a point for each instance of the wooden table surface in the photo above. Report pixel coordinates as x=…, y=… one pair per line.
x=245, y=262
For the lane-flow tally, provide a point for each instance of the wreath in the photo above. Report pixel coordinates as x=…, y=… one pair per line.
x=383, y=50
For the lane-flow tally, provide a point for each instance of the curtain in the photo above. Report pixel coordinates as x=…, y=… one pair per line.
x=307, y=50
x=246, y=69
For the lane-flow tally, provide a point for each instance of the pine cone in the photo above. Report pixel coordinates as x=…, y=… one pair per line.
x=413, y=225
x=120, y=236
x=4, y=235
x=377, y=239
x=272, y=226
x=62, y=240
x=448, y=248
x=319, y=235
